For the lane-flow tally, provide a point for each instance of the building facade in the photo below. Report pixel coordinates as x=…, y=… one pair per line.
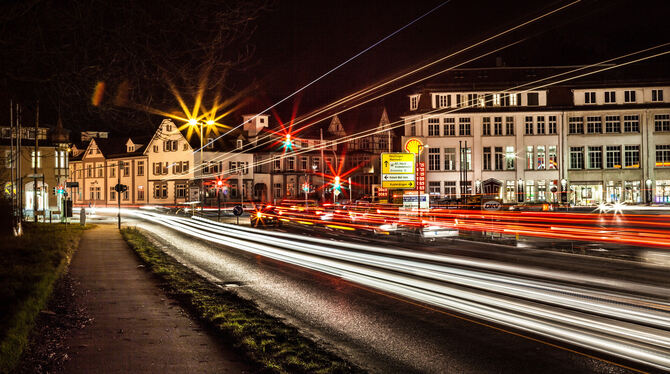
x=597, y=144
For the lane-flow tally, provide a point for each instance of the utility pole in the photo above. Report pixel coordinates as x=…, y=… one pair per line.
x=323, y=162
x=18, y=160
x=118, y=191
x=36, y=161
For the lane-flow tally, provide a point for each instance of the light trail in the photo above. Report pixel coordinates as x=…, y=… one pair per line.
x=626, y=326
x=368, y=90
x=329, y=72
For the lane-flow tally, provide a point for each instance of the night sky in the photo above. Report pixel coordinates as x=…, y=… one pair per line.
x=293, y=43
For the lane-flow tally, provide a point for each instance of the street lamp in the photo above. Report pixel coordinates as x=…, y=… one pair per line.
x=648, y=182
x=219, y=186
x=520, y=190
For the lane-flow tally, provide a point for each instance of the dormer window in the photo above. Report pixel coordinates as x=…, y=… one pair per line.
x=209, y=143
x=262, y=120
x=168, y=128
x=414, y=102
x=131, y=148
x=239, y=143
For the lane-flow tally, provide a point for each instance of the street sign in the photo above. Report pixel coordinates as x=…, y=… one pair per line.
x=71, y=184
x=398, y=170
x=238, y=210
x=397, y=163
x=382, y=192
x=35, y=176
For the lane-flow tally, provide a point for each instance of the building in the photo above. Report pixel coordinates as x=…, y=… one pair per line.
x=595, y=141
x=35, y=178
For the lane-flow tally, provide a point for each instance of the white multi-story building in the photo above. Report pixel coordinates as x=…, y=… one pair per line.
x=583, y=144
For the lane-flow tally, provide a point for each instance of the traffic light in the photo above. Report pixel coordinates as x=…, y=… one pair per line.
x=120, y=188
x=219, y=183
x=336, y=183
x=305, y=187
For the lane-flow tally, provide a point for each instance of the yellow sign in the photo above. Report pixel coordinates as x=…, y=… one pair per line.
x=398, y=184
x=414, y=146
x=397, y=163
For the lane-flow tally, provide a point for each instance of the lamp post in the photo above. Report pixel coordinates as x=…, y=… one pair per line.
x=219, y=185
x=520, y=197
x=649, y=194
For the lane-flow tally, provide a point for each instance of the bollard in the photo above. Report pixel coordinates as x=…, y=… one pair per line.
x=82, y=217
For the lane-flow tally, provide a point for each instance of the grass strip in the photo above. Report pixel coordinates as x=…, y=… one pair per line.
x=29, y=267
x=267, y=342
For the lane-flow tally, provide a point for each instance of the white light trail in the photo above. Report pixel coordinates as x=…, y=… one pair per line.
x=630, y=327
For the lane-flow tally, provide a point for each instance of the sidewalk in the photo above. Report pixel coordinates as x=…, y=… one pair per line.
x=135, y=329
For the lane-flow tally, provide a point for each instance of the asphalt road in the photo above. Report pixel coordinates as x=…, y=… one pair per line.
x=387, y=333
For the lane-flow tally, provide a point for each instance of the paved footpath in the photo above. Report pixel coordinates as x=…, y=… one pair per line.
x=135, y=328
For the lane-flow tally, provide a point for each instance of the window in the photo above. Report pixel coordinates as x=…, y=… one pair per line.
x=239, y=143
x=541, y=190
x=632, y=156
x=449, y=127
x=496, y=99
x=529, y=158
x=612, y=124
x=126, y=195
x=155, y=148
x=412, y=128
x=126, y=168
x=498, y=158
x=589, y=97
x=552, y=125
x=60, y=161
x=540, y=125
x=112, y=172
x=472, y=99
x=631, y=123
x=97, y=193
x=450, y=159
x=276, y=164
x=529, y=125
x=290, y=163
x=140, y=167
x=504, y=99
x=576, y=157
x=459, y=101
x=497, y=126
x=575, y=125
x=553, y=157
x=413, y=102
x=180, y=190
x=434, y=188
x=112, y=193
x=594, y=125
x=39, y=159
x=101, y=170
x=185, y=148
x=662, y=122
x=541, y=160
x=316, y=161
x=303, y=163
x=629, y=96
x=530, y=190
x=466, y=158
x=170, y=145
x=277, y=189
x=595, y=158
x=486, y=161
x=433, y=159
x=184, y=167
x=613, y=157
x=610, y=97
x=662, y=155
x=486, y=126
x=514, y=99
x=464, y=126
x=140, y=193
x=443, y=101
x=533, y=99
x=160, y=190
x=89, y=170
x=450, y=188
x=433, y=127
x=509, y=125
x=510, y=157
x=656, y=95
x=92, y=193
x=510, y=191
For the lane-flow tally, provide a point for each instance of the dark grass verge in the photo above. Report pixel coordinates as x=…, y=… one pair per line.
x=29, y=267
x=269, y=343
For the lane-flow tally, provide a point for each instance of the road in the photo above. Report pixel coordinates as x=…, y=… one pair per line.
x=400, y=311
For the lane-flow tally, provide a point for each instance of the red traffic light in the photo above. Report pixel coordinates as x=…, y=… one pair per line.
x=219, y=183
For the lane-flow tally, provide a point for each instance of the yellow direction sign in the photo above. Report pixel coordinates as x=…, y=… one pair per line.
x=398, y=163
x=398, y=184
